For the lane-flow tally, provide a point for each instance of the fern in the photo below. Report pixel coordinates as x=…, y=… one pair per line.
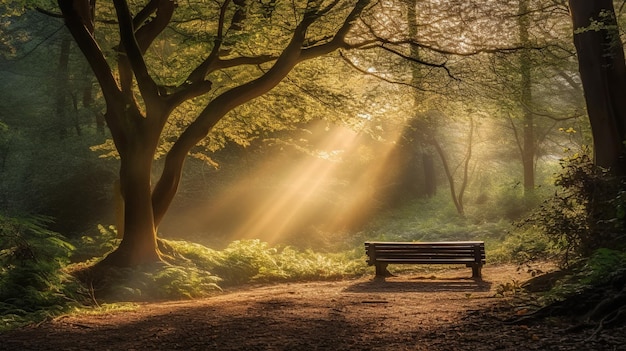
x=33, y=284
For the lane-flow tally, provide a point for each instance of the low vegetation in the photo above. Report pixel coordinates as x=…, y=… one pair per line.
x=45, y=274
x=33, y=282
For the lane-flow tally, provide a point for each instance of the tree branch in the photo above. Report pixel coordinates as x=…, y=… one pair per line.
x=377, y=76
x=420, y=61
x=204, y=68
x=146, y=32
x=146, y=84
x=98, y=63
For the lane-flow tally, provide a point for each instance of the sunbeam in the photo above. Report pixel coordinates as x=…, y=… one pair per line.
x=284, y=198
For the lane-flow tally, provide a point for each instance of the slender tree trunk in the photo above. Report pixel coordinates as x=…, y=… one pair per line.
x=62, y=86
x=457, y=198
x=446, y=167
x=528, y=150
x=430, y=180
x=603, y=74
x=466, y=163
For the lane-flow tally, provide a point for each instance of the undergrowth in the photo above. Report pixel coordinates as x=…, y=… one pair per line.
x=247, y=261
x=38, y=279
x=51, y=264
x=596, y=270
x=33, y=284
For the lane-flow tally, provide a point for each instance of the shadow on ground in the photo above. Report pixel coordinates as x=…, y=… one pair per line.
x=420, y=284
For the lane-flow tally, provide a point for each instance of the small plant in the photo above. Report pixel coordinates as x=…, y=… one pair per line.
x=89, y=247
x=511, y=288
x=522, y=246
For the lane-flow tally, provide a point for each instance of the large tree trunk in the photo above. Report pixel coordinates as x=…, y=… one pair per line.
x=603, y=74
x=139, y=244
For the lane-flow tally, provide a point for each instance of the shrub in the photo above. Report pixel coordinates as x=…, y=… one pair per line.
x=523, y=246
x=586, y=213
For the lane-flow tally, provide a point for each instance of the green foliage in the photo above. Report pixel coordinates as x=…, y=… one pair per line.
x=432, y=219
x=246, y=261
x=596, y=270
x=153, y=282
x=521, y=246
x=602, y=263
x=505, y=201
x=586, y=213
x=33, y=285
x=90, y=247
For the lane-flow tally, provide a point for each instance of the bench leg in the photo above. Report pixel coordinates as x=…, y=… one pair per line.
x=476, y=271
x=381, y=270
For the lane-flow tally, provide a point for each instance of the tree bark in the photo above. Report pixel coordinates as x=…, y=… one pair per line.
x=603, y=74
x=139, y=244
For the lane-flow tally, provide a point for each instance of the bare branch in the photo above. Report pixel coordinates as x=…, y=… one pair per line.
x=420, y=61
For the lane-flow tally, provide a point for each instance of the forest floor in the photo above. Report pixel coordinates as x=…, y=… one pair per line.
x=437, y=310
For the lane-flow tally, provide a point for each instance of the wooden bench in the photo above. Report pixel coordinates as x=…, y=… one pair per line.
x=469, y=253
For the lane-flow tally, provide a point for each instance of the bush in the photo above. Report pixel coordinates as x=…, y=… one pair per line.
x=586, y=213
x=523, y=246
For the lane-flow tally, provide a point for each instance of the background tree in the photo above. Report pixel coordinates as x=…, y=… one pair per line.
x=441, y=52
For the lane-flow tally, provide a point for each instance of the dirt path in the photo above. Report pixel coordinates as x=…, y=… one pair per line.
x=410, y=312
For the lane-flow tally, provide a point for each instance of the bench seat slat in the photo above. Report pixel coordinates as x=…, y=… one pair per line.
x=425, y=261
x=424, y=252
x=435, y=243
x=424, y=257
